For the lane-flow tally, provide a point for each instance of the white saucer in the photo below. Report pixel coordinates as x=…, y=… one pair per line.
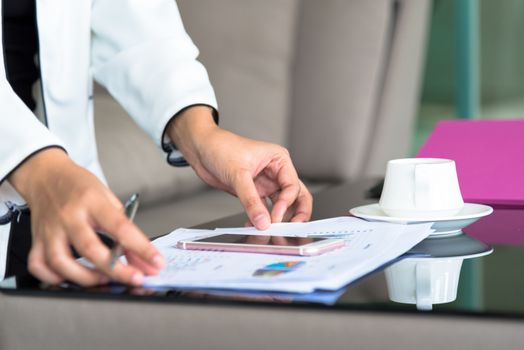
x=443, y=225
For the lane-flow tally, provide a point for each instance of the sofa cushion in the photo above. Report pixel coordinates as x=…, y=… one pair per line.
x=341, y=52
x=200, y=207
x=358, y=68
x=132, y=162
x=247, y=47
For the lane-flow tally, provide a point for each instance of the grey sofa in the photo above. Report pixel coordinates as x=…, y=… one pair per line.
x=335, y=81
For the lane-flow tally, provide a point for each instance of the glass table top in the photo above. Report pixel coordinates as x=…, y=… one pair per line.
x=490, y=282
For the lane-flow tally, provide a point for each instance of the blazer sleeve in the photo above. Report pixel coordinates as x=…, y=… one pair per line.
x=21, y=133
x=143, y=56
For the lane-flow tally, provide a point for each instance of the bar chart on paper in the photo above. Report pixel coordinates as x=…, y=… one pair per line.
x=278, y=268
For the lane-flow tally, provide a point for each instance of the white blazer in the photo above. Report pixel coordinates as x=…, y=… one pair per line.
x=137, y=49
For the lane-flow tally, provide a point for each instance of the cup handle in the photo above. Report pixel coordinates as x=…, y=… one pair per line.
x=423, y=287
x=422, y=185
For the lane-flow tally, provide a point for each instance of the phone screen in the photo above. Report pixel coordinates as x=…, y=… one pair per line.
x=260, y=240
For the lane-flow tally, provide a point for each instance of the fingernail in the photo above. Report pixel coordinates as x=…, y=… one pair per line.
x=261, y=222
x=137, y=279
x=159, y=261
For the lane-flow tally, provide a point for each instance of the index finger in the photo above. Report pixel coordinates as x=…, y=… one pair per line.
x=127, y=234
x=87, y=243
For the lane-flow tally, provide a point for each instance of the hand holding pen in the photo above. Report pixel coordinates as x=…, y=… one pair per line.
x=68, y=206
x=131, y=207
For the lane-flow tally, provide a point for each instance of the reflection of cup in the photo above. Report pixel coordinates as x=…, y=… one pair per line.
x=421, y=187
x=424, y=281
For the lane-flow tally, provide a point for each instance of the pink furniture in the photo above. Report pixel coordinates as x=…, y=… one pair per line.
x=489, y=155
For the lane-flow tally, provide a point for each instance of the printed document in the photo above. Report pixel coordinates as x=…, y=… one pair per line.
x=369, y=245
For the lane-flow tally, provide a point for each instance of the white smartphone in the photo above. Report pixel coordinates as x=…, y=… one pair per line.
x=304, y=246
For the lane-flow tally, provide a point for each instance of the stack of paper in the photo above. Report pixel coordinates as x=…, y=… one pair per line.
x=368, y=246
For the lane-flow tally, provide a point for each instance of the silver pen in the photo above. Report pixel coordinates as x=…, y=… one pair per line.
x=131, y=207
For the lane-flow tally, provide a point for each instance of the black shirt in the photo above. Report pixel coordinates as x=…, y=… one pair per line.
x=20, y=41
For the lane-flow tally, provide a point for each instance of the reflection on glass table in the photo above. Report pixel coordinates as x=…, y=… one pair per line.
x=434, y=279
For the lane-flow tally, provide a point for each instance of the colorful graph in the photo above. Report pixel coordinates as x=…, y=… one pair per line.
x=278, y=268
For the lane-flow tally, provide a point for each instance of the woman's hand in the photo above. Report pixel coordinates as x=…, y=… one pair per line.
x=68, y=205
x=252, y=170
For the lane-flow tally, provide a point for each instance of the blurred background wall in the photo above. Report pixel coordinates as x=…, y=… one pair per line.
x=502, y=95
x=501, y=68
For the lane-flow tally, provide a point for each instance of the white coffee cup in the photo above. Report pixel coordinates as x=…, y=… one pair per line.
x=421, y=187
x=424, y=281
